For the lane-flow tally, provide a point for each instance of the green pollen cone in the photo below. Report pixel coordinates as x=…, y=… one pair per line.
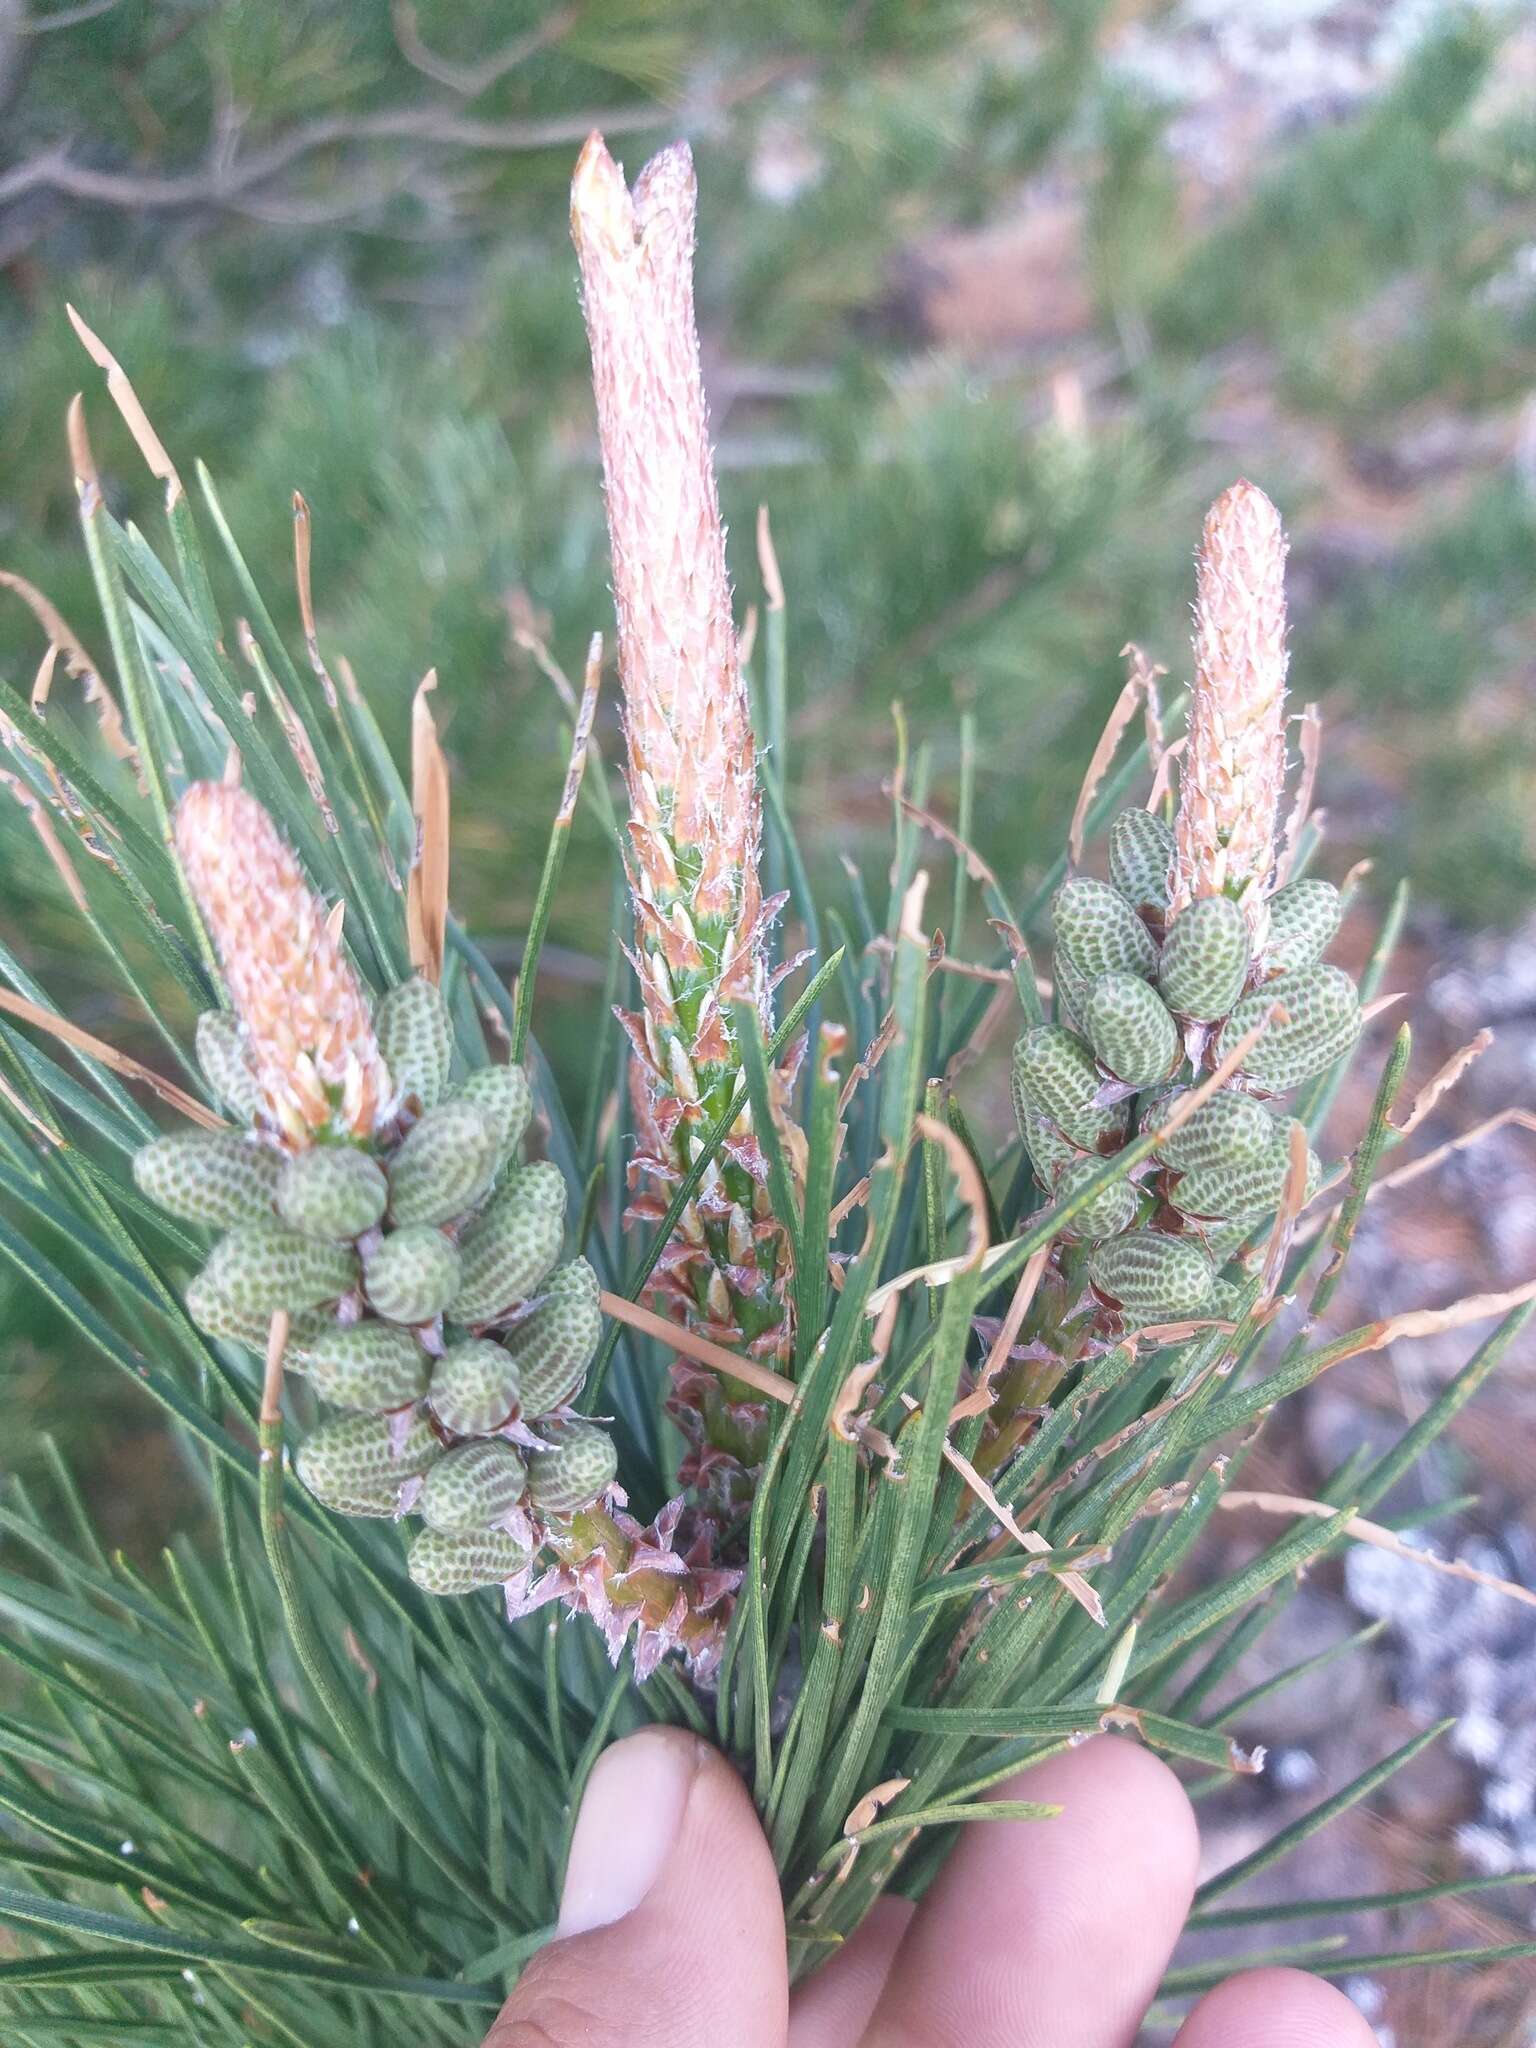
x=1103, y=934
x=555, y=1343
x=1140, y=858
x=476, y=1387
x=1229, y=1130
x=1220, y=1194
x=444, y=1166
x=263, y=1267
x=412, y=1275
x=472, y=1487
x=448, y=1565
x=415, y=1035
x=1055, y=1073
x=356, y=1464
x=211, y=1308
x=508, y=1251
x=220, y=1044
x=539, y=1186
x=1224, y=1300
x=1071, y=992
x=1249, y=1190
x=1130, y=1029
x=1322, y=1009
x=216, y=1178
x=1151, y=1276
x=332, y=1191
x=1304, y=918
x=1222, y=1240
x=504, y=1099
x=1110, y=1211
x=370, y=1365
x=1205, y=959
x=580, y=1464
x=1049, y=1152
x=355, y=1498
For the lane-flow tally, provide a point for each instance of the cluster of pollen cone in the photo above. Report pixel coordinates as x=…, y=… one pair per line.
x=1163, y=971
x=377, y=1200
x=374, y=1209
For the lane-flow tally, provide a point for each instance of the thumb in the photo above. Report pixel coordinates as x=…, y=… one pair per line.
x=671, y=1928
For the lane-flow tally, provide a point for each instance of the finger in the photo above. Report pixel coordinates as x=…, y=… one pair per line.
x=1050, y=1934
x=833, y=2009
x=671, y=1929
x=1275, y=2009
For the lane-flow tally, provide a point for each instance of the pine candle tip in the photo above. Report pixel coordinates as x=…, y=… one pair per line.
x=667, y=185
x=602, y=204
x=1245, y=500
x=309, y=1035
x=1234, y=772
x=677, y=650
x=600, y=201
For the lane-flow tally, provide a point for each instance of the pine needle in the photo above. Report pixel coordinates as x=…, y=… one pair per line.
x=120, y=1062
x=687, y=1344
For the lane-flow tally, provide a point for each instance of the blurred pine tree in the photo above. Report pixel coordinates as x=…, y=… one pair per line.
x=325, y=241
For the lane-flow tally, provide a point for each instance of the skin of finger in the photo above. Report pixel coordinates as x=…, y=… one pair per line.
x=1275, y=2009
x=1050, y=1934
x=832, y=2009
x=700, y=1961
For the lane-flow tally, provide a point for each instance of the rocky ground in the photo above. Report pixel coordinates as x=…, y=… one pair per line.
x=1468, y=1806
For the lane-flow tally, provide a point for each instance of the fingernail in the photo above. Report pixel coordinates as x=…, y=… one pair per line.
x=631, y=1815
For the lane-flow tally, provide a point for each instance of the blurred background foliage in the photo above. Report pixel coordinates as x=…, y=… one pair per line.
x=994, y=298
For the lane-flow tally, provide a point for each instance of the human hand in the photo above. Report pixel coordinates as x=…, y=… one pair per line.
x=1038, y=1934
